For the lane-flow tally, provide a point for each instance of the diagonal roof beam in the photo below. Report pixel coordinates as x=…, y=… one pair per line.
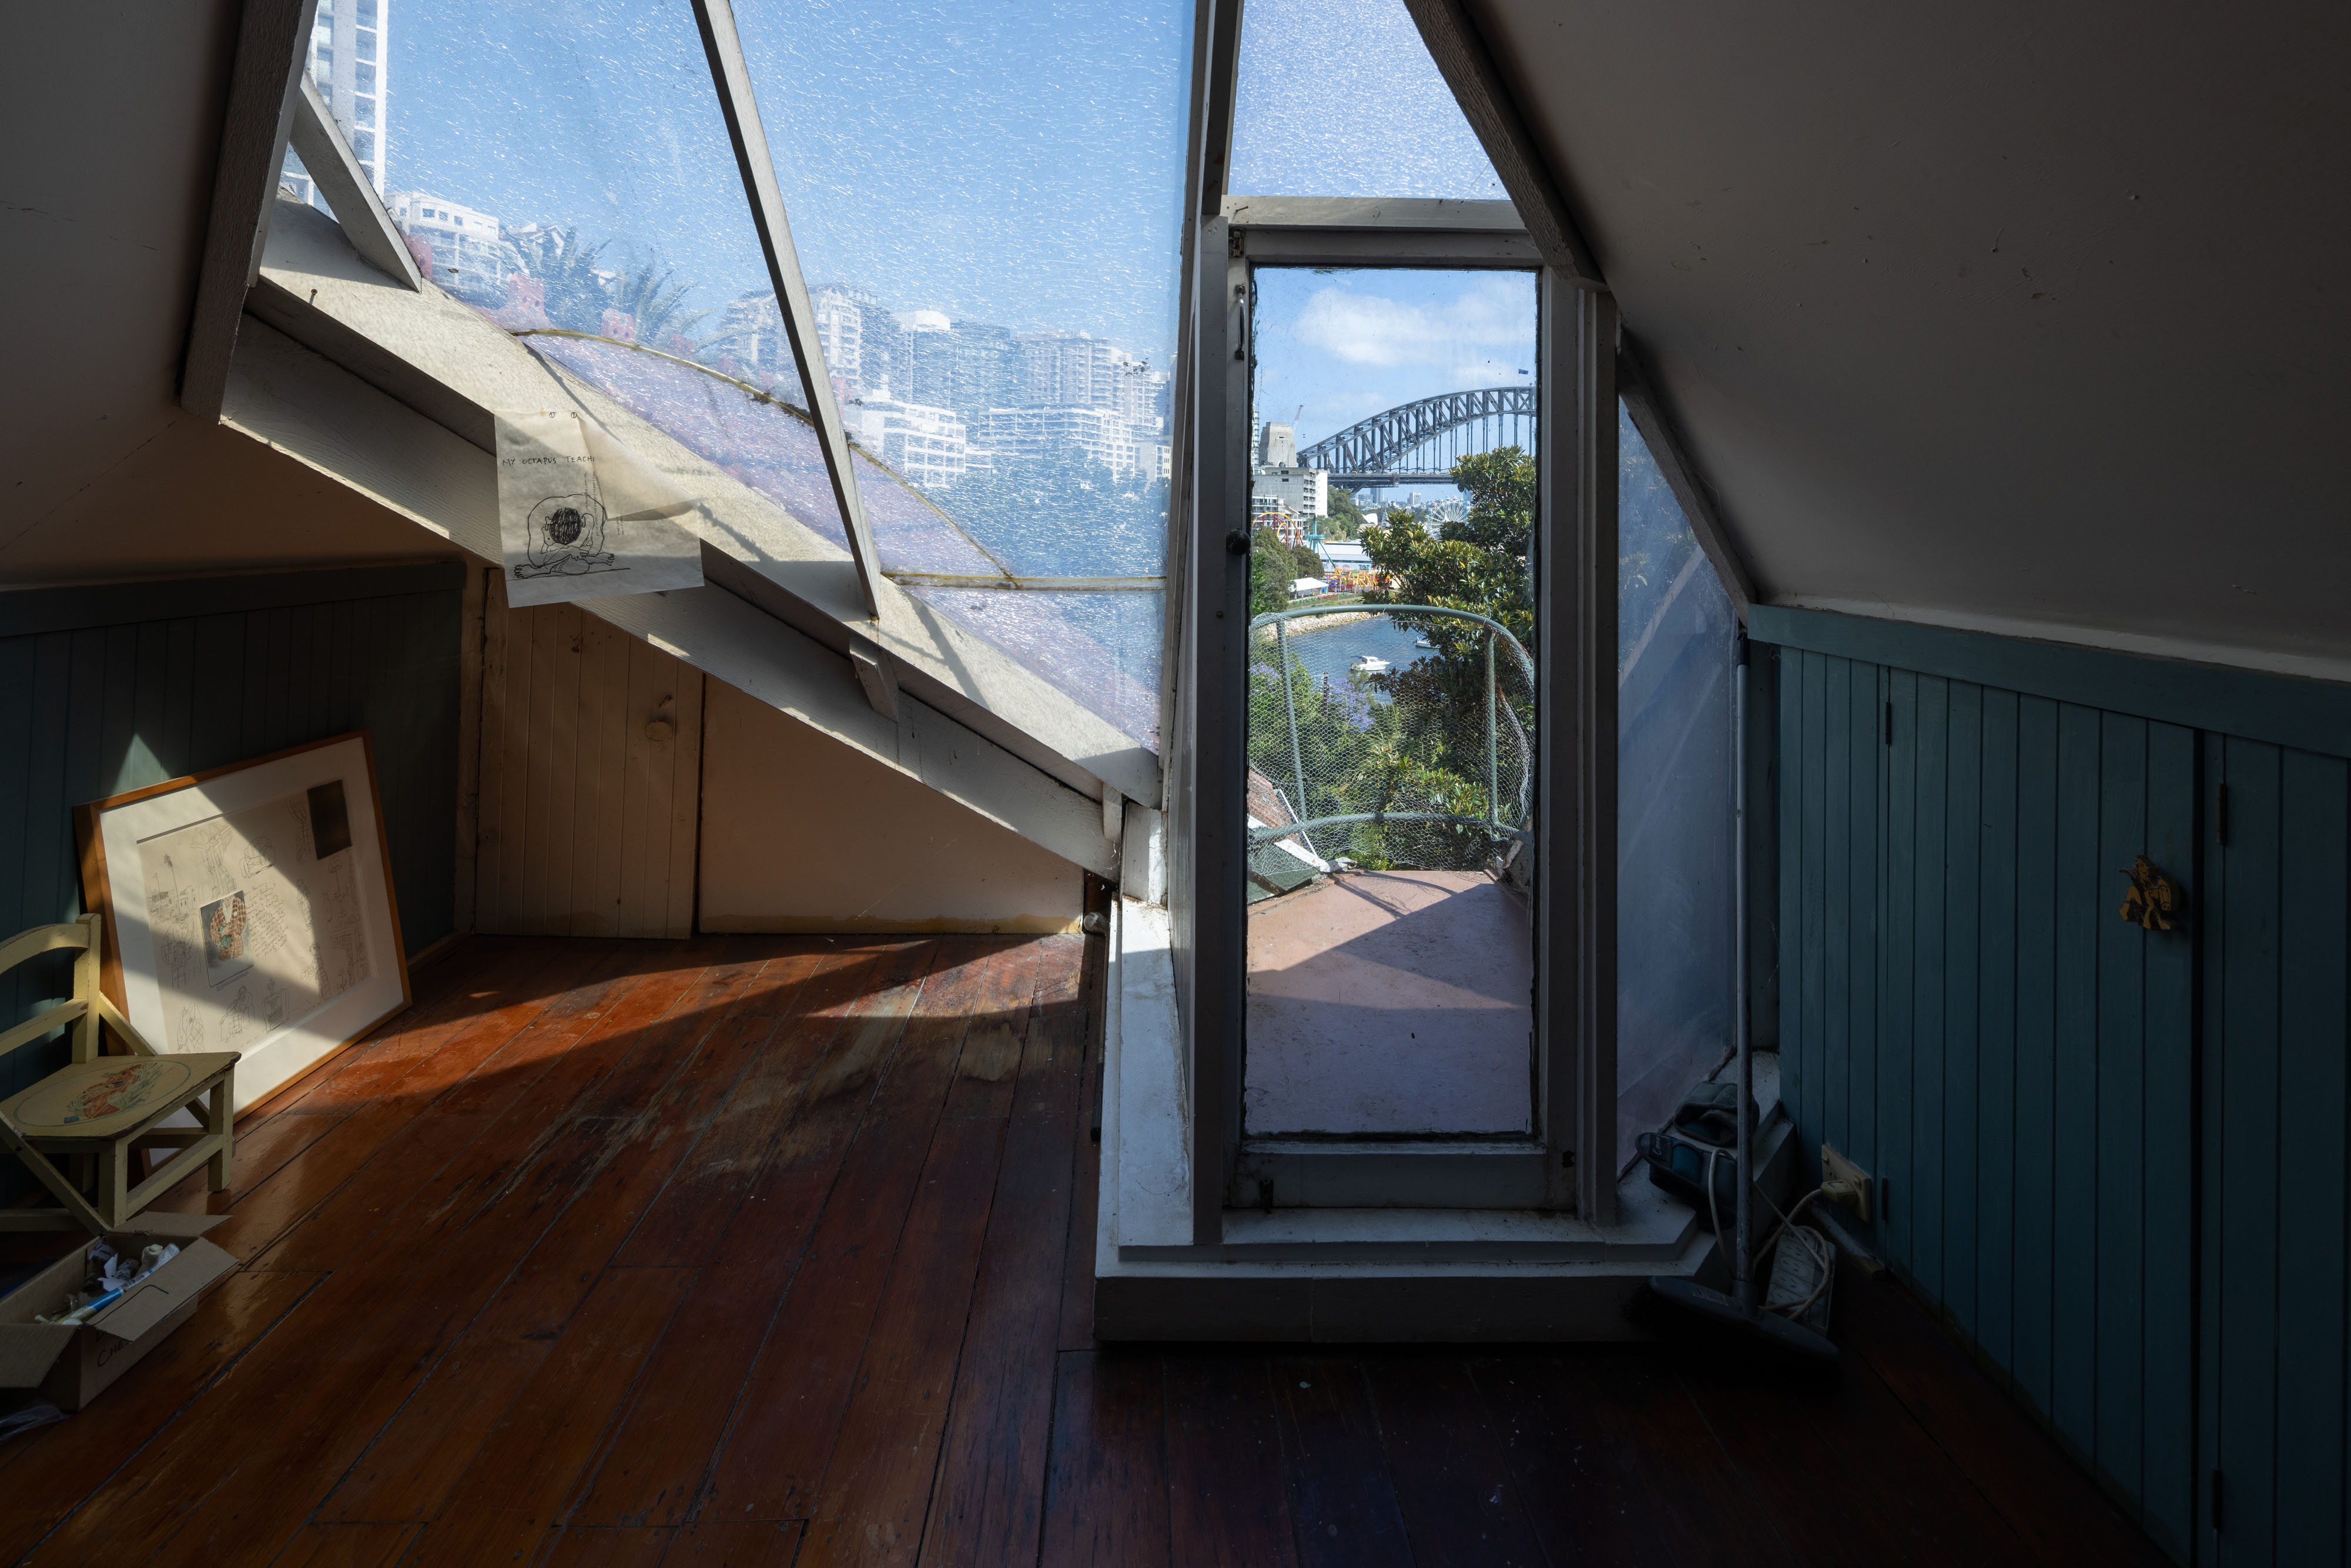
x=1467, y=66
x=732, y=77
x=318, y=143
x=270, y=35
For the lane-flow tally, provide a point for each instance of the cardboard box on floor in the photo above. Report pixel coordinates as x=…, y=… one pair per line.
x=71, y=1362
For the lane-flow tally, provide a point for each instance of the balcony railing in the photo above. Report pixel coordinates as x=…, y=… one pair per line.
x=1417, y=762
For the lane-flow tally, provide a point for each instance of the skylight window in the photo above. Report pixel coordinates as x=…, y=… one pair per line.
x=985, y=204
x=1339, y=98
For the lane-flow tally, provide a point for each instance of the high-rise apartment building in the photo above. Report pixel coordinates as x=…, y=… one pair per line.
x=1279, y=485
x=925, y=446
x=466, y=258
x=348, y=60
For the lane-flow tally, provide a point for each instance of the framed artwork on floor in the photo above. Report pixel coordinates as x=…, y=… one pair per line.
x=250, y=908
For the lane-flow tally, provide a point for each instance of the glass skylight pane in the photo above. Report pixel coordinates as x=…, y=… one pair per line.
x=986, y=201
x=1102, y=649
x=1339, y=98
x=1675, y=799
x=563, y=167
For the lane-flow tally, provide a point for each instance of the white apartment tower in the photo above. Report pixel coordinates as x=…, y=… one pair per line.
x=348, y=60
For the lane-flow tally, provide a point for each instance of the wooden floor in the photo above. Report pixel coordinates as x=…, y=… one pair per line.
x=773, y=1250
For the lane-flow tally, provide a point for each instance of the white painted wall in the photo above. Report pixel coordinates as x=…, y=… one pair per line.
x=800, y=832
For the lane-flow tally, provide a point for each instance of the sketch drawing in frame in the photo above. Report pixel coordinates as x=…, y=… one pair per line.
x=250, y=908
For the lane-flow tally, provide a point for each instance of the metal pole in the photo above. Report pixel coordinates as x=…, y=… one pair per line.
x=1289, y=702
x=731, y=76
x=1493, y=749
x=1742, y=1263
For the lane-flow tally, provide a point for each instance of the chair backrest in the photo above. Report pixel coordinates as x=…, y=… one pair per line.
x=84, y=937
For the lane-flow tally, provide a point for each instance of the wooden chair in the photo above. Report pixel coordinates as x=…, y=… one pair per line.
x=100, y=1111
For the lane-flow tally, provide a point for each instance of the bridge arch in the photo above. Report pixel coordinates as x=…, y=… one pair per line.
x=1437, y=430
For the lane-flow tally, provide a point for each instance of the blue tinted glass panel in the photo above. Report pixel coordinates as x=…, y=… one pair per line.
x=1674, y=797
x=987, y=202
x=1339, y=98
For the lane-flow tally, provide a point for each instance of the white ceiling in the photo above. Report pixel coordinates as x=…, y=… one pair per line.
x=2025, y=317
x=108, y=122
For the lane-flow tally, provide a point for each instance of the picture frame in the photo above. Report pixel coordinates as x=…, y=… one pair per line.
x=250, y=908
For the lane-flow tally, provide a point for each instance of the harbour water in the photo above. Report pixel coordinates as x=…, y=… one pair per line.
x=1331, y=647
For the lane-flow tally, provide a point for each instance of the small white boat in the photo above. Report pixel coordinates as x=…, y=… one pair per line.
x=1370, y=664
x=1421, y=642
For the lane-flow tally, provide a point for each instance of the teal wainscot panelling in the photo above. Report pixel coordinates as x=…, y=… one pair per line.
x=2113, y=1157
x=108, y=688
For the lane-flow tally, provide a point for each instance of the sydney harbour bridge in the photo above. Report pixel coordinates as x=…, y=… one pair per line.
x=1419, y=443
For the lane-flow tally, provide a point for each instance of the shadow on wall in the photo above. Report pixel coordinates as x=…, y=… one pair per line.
x=92, y=711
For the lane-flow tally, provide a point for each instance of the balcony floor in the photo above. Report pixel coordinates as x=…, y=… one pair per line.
x=768, y=1249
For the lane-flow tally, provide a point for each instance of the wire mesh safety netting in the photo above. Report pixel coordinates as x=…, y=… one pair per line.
x=1386, y=738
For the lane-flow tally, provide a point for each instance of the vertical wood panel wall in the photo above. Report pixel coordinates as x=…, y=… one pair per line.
x=591, y=774
x=2115, y=1158
x=114, y=688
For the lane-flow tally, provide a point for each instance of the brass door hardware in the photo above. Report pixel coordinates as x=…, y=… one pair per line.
x=2151, y=898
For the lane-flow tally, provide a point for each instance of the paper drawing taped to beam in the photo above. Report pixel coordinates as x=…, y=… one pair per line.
x=582, y=517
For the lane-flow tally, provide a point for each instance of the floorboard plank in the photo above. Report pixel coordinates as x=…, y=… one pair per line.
x=876, y=1492
x=1228, y=1507
x=418, y=1459
x=662, y=1456
x=1106, y=1482
x=1341, y=1501
x=346, y=1546
x=992, y=1466
x=294, y=1421
x=791, y=1412
x=1077, y=1327
x=622, y=1548
x=683, y=1226
x=733, y=1546
x=516, y=1485
x=1454, y=1485
x=533, y=1066
x=648, y=1252
x=48, y=1472
x=1589, y=1495
x=2059, y=1514
x=1714, y=1513
x=987, y=1070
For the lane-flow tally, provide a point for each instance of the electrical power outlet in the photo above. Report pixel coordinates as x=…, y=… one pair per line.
x=1844, y=1183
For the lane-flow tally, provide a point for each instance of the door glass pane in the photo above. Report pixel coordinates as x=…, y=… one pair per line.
x=987, y=198
x=1391, y=705
x=1339, y=98
x=1675, y=918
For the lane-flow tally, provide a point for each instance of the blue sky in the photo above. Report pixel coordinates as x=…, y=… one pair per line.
x=1013, y=160
x=1339, y=98
x=1346, y=345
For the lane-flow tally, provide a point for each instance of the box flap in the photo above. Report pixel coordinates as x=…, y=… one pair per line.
x=173, y=1227
x=28, y=1351
x=45, y=1293
x=165, y=1291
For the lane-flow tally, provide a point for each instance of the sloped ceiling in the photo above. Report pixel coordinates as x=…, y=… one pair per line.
x=110, y=119
x=2030, y=318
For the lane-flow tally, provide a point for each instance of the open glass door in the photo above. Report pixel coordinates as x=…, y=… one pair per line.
x=1389, y=1022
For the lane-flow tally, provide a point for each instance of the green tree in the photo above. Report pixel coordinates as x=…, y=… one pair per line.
x=1346, y=519
x=1270, y=573
x=1436, y=761
x=654, y=298
x=574, y=287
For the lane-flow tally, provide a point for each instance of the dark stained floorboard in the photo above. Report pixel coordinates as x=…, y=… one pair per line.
x=766, y=1251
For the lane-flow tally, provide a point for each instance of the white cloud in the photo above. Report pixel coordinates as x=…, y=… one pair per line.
x=1489, y=324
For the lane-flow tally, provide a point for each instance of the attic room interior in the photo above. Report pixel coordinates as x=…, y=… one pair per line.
x=813, y=781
